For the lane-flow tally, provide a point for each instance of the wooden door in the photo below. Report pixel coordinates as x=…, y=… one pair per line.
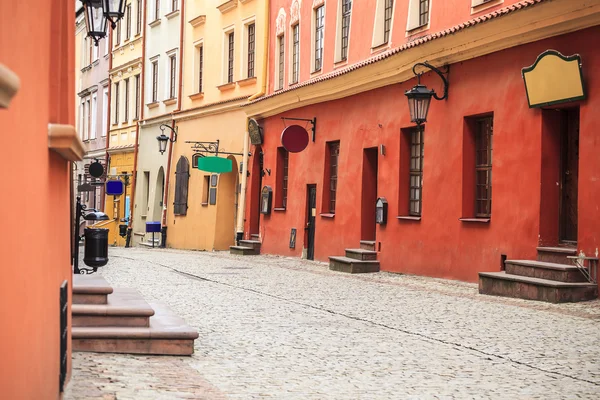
x=569, y=176
x=311, y=206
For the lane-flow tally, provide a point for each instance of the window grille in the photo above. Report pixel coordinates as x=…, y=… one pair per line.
x=416, y=172
x=230, y=59
x=251, y=45
x=334, y=154
x=483, y=167
x=346, y=14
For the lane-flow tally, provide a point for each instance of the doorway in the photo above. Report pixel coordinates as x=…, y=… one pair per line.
x=369, y=193
x=256, y=187
x=569, y=175
x=311, y=212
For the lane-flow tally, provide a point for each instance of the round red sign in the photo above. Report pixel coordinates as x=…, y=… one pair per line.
x=294, y=138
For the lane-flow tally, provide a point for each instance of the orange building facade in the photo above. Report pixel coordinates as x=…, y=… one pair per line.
x=37, y=105
x=349, y=63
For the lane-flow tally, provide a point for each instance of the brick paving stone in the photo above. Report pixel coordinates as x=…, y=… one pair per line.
x=285, y=328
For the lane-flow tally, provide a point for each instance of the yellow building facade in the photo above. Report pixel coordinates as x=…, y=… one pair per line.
x=224, y=64
x=126, y=86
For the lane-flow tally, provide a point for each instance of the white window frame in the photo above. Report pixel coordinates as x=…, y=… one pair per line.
x=313, y=37
x=197, y=46
x=81, y=117
x=171, y=53
x=413, y=23
x=106, y=49
x=480, y=5
x=279, y=40
x=379, y=24
x=94, y=116
x=225, y=54
x=291, y=52
x=86, y=128
x=155, y=59
x=105, y=112
x=338, y=33
x=244, y=51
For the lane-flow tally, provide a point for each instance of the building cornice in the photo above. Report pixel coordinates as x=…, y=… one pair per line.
x=480, y=36
x=124, y=67
x=211, y=109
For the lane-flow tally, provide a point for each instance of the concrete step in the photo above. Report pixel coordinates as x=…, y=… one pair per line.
x=544, y=270
x=90, y=289
x=367, y=245
x=523, y=287
x=254, y=236
x=352, y=266
x=124, y=308
x=255, y=244
x=149, y=244
x=167, y=334
x=361, y=254
x=242, y=251
x=556, y=255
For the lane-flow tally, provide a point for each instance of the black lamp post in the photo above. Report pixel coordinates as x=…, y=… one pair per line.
x=95, y=20
x=113, y=10
x=164, y=139
x=419, y=97
x=89, y=215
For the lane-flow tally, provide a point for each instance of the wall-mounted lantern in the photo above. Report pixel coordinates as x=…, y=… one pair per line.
x=113, y=10
x=95, y=19
x=419, y=97
x=266, y=199
x=381, y=211
x=164, y=139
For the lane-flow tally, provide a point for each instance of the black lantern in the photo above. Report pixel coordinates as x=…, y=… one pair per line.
x=95, y=20
x=419, y=97
x=164, y=139
x=113, y=10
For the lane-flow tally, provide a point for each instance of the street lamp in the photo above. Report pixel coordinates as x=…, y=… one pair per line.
x=95, y=20
x=419, y=97
x=164, y=139
x=113, y=10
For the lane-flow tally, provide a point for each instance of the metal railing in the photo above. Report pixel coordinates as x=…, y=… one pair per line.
x=588, y=266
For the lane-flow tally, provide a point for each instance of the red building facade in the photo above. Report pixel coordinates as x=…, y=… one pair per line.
x=487, y=178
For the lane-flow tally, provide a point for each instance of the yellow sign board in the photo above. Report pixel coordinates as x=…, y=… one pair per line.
x=553, y=79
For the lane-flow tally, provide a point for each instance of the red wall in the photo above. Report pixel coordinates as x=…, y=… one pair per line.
x=441, y=245
x=37, y=43
x=444, y=14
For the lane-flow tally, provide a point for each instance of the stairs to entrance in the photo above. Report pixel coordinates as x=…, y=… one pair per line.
x=119, y=320
x=552, y=278
x=356, y=261
x=246, y=248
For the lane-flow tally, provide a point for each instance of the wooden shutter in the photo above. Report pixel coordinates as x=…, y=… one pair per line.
x=182, y=178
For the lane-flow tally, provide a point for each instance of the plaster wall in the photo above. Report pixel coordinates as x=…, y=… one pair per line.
x=439, y=244
x=39, y=47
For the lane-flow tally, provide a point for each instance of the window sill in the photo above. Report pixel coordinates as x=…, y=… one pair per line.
x=137, y=35
x=316, y=73
x=125, y=41
x=226, y=86
x=170, y=102
x=204, y=204
x=136, y=119
x=293, y=83
x=484, y=6
x=408, y=218
x=153, y=104
x=63, y=139
x=143, y=216
x=172, y=14
x=340, y=63
x=196, y=96
x=96, y=62
x=279, y=209
x=247, y=82
x=417, y=29
x=380, y=47
x=154, y=23
x=327, y=215
x=477, y=220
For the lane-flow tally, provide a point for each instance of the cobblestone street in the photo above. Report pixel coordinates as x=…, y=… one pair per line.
x=281, y=328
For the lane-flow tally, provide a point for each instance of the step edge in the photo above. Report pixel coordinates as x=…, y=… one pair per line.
x=539, y=281
x=348, y=260
x=106, y=311
x=561, y=250
x=362, y=251
x=542, y=265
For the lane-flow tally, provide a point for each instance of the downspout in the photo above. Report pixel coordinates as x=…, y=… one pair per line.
x=263, y=90
x=179, y=102
x=137, y=134
x=109, y=113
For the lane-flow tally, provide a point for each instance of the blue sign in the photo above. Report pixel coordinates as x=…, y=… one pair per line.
x=153, y=227
x=115, y=188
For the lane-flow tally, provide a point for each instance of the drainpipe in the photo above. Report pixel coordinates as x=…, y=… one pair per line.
x=108, y=114
x=263, y=90
x=137, y=134
x=179, y=101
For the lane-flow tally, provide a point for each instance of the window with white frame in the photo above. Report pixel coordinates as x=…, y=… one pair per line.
x=88, y=119
x=94, y=116
x=137, y=96
x=342, y=40
x=172, y=76
x=174, y=5
x=128, y=20
x=105, y=112
x=81, y=117
x=154, y=91
x=295, y=54
x=138, y=20
x=318, y=32
x=116, y=95
x=250, y=49
x=229, y=56
x=126, y=100
x=418, y=14
x=156, y=10
x=95, y=52
x=118, y=34
x=199, y=67
x=106, y=46
x=280, y=54
x=384, y=12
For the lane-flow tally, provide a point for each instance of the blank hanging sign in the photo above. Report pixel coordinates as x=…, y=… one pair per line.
x=294, y=138
x=215, y=165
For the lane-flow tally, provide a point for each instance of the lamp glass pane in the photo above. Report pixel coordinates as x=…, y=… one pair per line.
x=162, y=143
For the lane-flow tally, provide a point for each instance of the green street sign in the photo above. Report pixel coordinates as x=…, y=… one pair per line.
x=215, y=165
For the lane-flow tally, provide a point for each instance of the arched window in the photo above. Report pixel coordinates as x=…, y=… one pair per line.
x=182, y=179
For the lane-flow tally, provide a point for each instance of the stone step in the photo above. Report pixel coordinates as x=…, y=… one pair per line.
x=367, y=245
x=255, y=244
x=254, y=236
x=149, y=244
x=556, y=254
x=352, y=266
x=90, y=289
x=544, y=270
x=242, y=251
x=124, y=308
x=523, y=287
x=167, y=334
x=361, y=254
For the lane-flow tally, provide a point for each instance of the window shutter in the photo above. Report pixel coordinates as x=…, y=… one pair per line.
x=182, y=178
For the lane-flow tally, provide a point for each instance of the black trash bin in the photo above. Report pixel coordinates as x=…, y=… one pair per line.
x=123, y=230
x=96, y=247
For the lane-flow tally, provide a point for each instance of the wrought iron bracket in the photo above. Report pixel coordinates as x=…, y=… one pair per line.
x=440, y=74
x=174, y=130
x=313, y=122
x=203, y=148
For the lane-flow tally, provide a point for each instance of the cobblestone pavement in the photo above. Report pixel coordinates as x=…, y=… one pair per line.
x=282, y=328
